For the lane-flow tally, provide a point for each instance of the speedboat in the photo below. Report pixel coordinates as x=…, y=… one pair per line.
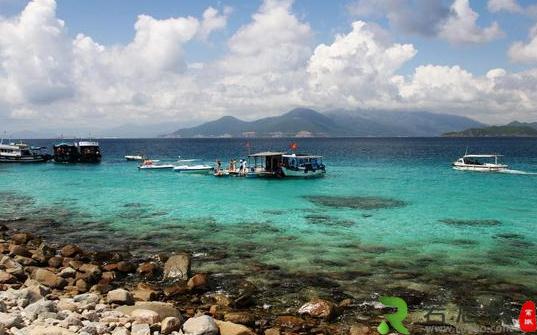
x=480, y=163
x=150, y=165
x=193, y=168
x=134, y=157
x=22, y=153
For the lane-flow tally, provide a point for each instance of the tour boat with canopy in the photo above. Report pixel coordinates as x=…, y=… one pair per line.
x=480, y=163
x=281, y=164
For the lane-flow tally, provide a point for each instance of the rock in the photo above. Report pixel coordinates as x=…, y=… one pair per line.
x=55, y=262
x=177, y=267
x=34, y=292
x=201, y=325
x=318, y=308
x=66, y=304
x=3, y=307
x=140, y=329
x=175, y=289
x=121, y=331
x=26, y=261
x=230, y=328
x=48, y=330
x=68, y=272
x=147, y=268
x=49, y=279
x=7, y=278
x=70, y=250
x=360, y=330
x=145, y=293
x=21, y=238
x=87, y=300
x=91, y=272
x=120, y=296
x=170, y=324
x=288, y=321
x=244, y=318
x=81, y=285
x=272, y=331
x=108, y=277
x=42, y=306
x=198, y=281
x=163, y=309
x=145, y=316
x=11, y=320
x=126, y=267
x=19, y=250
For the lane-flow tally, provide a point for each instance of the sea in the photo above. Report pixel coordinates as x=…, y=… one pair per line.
x=390, y=216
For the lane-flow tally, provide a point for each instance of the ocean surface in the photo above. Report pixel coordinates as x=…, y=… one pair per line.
x=389, y=214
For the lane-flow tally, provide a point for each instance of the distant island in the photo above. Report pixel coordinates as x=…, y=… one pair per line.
x=304, y=122
x=513, y=129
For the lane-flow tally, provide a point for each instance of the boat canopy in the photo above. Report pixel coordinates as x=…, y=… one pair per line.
x=302, y=156
x=482, y=156
x=266, y=154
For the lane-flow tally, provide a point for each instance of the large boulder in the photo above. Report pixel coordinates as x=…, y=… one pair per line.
x=201, y=325
x=177, y=267
x=318, y=308
x=49, y=278
x=230, y=328
x=120, y=296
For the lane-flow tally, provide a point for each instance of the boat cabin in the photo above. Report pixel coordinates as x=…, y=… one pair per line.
x=89, y=151
x=66, y=153
x=266, y=164
x=479, y=159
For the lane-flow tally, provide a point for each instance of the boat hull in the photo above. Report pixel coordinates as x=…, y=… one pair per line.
x=155, y=167
x=303, y=173
x=480, y=168
x=32, y=159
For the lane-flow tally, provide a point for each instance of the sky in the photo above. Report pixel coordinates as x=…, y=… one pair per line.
x=108, y=63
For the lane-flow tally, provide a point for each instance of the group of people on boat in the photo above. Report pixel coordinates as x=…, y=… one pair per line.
x=240, y=169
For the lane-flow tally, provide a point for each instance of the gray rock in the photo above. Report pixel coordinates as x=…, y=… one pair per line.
x=11, y=320
x=89, y=329
x=169, y=325
x=42, y=306
x=163, y=309
x=67, y=304
x=177, y=267
x=120, y=296
x=68, y=272
x=201, y=325
x=121, y=331
x=87, y=300
x=145, y=316
x=140, y=329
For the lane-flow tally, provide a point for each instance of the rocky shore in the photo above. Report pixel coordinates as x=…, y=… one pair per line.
x=49, y=289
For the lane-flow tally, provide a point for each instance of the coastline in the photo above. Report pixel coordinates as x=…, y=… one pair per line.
x=45, y=284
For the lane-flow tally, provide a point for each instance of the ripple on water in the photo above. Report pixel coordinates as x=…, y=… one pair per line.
x=356, y=202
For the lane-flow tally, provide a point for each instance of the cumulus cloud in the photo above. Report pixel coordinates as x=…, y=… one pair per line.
x=461, y=26
x=521, y=52
x=420, y=17
x=504, y=5
x=271, y=64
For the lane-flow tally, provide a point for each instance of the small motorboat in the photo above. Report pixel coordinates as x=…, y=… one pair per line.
x=479, y=163
x=150, y=165
x=134, y=157
x=193, y=168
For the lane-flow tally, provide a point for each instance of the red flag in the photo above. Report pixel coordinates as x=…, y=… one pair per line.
x=527, y=317
x=294, y=146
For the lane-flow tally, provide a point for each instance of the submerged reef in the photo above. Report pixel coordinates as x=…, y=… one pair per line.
x=356, y=202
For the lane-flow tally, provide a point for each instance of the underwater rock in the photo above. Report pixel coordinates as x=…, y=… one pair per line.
x=318, y=308
x=477, y=222
x=356, y=202
x=177, y=267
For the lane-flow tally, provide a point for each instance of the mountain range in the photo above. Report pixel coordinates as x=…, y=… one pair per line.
x=304, y=122
x=513, y=129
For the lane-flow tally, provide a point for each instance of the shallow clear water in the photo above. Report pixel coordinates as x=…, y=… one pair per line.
x=429, y=224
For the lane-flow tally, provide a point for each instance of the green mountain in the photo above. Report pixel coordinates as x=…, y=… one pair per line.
x=303, y=122
x=513, y=129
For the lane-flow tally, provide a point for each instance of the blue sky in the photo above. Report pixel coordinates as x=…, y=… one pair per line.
x=468, y=46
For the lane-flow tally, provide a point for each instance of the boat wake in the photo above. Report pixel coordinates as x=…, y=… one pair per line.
x=509, y=171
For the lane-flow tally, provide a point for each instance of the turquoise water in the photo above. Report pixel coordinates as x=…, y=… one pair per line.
x=394, y=213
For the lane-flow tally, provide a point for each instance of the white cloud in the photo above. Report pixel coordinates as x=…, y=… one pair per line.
x=356, y=69
x=461, y=26
x=271, y=65
x=521, y=52
x=504, y=5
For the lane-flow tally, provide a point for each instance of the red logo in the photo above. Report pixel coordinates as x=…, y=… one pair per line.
x=294, y=146
x=527, y=317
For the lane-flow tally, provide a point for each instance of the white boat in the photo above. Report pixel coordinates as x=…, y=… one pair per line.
x=134, y=157
x=193, y=168
x=150, y=165
x=281, y=164
x=22, y=153
x=479, y=163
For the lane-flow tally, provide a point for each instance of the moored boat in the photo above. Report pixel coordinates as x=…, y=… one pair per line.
x=479, y=163
x=66, y=153
x=134, y=157
x=201, y=168
x=150, y=165
x=89, y=151
x=281, y=164
x=22, y=153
